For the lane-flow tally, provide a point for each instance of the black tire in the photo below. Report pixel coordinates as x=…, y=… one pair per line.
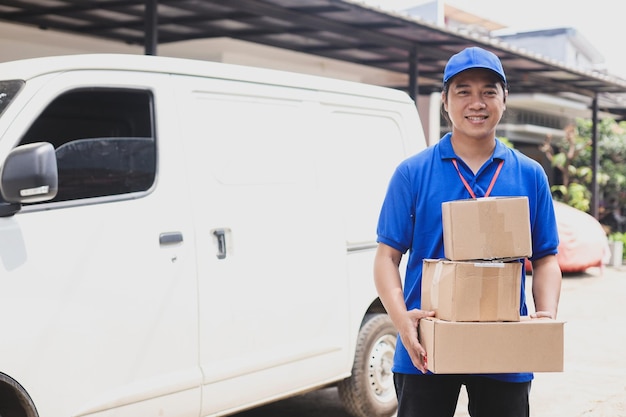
x=369, y=391
x=14, y=400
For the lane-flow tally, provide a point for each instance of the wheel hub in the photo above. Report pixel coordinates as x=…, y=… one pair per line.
x=381, y=360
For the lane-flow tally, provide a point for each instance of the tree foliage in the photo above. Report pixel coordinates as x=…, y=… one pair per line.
x=572, y=157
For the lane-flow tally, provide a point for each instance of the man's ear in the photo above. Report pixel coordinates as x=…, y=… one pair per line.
x=444, y=101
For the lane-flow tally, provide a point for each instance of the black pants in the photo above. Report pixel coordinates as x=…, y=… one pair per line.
x=437, y=396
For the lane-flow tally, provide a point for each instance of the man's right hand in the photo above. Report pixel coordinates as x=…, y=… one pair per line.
x=410, y=340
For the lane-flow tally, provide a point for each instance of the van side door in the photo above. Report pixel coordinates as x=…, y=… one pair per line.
x=271, y=253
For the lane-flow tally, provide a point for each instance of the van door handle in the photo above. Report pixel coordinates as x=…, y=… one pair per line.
x=169, y=238
x=220, y=235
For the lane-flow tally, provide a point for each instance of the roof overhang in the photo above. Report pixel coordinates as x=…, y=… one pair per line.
x=345, y=30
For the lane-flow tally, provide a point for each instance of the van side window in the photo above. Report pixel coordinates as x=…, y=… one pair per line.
x=104, y=141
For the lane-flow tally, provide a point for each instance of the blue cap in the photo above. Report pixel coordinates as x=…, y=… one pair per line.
x=473, y=57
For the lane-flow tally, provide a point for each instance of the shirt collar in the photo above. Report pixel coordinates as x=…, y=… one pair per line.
x=447, y=152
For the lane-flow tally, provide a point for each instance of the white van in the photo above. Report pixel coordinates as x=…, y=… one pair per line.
x=184, y=238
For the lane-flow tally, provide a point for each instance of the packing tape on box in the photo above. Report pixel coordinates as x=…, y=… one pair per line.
x=489, y=264
x=434, y=286
x=492, y=224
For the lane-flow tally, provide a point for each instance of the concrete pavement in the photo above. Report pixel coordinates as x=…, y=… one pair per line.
x=594, y=380
x=593, y=383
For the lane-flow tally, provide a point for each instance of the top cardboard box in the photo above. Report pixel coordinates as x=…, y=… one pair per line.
x=486, y=228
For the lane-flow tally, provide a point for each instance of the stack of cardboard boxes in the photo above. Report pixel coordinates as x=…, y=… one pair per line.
x=475, y=293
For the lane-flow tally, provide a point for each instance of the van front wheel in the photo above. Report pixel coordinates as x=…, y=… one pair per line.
x=370, y=392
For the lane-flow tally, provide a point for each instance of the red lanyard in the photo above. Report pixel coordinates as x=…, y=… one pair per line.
x=467, y=186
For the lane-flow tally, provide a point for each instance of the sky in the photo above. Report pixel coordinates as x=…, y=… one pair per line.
x=601, y=22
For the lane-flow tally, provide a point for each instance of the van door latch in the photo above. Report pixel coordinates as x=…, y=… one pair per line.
x=220, y=235
x=168, y=238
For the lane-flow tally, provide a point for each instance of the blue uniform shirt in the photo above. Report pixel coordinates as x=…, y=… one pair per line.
x=410, y=218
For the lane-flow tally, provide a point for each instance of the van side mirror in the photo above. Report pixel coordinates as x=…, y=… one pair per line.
x=29, y=174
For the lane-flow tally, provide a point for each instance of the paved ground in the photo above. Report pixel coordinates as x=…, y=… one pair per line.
x=593, y=383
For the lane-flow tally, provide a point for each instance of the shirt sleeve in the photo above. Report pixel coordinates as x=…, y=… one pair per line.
x=396, y=219
x=545, y=236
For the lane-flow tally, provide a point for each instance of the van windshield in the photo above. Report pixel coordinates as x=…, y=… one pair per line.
x=8, y=91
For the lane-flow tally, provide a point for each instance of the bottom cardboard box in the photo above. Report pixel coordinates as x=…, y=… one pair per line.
x=530, y=345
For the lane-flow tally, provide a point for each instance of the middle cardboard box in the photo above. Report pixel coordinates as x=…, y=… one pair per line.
x=472, y=290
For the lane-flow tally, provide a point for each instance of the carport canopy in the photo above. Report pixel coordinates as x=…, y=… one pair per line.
x=345, y=30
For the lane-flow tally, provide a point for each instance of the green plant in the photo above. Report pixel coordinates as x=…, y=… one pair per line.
x=572, y=157
x=619, y=237
x=575, y=195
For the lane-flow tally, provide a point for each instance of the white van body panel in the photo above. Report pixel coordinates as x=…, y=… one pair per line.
x=270, y=185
